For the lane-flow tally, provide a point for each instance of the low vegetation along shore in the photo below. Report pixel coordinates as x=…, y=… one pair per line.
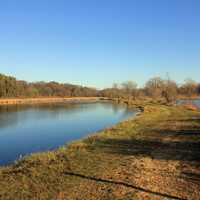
x=13, y=101
x=154, y=156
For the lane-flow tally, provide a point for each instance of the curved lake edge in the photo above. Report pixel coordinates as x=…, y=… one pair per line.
x=135, y=111
x=98, y=133
x=139, y=108
x=82, y=163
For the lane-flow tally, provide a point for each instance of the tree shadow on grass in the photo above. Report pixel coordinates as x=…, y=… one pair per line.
x=192, y=177
x=156, y=149
x=187, y=131
x=115, y=182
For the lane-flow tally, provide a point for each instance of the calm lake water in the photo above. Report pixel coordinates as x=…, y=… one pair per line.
x=26, y=129
x=196, y=102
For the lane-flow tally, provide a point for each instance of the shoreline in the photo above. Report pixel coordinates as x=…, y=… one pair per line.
x=133, y=116
x=38, y=100
x=16, y=101
x=103, y=164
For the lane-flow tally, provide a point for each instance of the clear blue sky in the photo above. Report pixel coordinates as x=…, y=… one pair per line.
x=98, y=42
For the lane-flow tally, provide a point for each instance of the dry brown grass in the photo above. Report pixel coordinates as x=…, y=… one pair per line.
x=11, y=101
x=155, y=156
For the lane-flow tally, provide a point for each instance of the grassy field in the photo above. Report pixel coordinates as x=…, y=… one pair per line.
x=154, y=156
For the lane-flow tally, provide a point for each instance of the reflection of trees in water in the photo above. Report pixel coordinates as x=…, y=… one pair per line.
x=189, y=101
x=197, y=102
x=12, y=115
x=129, y=111
x=115, y=108
x=124, y=110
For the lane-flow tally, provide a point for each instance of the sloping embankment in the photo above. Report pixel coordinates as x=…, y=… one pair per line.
x=155, y=156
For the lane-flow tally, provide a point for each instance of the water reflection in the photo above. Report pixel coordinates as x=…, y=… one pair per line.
x=13, y=114
x=193, y=101
x=31, y=128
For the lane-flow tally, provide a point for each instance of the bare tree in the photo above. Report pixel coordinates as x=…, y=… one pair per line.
x=115, y=86
x=170, y=91
x=189, y=88
x=129, y=88
x=154, y=87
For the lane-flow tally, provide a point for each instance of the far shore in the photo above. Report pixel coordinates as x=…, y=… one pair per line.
x=13, y=101
x=37, y=100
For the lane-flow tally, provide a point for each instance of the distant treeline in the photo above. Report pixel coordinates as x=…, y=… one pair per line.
x=155, y=88
x=10, y=87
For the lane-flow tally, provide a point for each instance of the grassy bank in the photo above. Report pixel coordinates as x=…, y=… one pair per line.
x=155, y=156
